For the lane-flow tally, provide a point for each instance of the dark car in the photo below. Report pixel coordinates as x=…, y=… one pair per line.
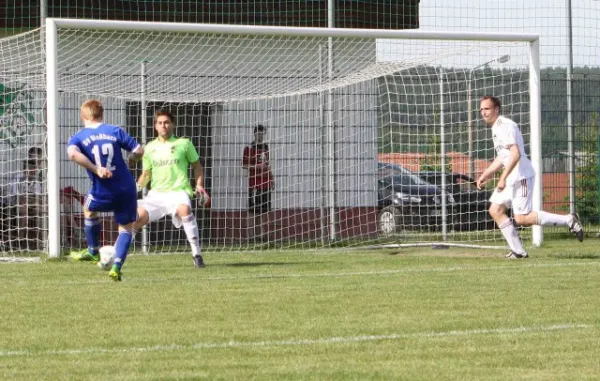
x=471, y=204
x=387, y=169
x=407, y=202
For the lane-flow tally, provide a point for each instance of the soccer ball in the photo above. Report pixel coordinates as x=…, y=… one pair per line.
x=107, y=257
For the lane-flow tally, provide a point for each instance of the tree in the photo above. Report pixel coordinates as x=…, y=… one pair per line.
x=587, y=200
x=433, y=159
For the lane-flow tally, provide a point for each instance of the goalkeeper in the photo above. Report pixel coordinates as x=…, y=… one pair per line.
x=165, y=166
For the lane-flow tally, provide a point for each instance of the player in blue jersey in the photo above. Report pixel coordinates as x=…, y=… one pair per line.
x=97, y=148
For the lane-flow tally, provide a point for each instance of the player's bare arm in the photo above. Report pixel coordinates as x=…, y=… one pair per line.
x=79, y=158
x=136, y=155
x=198, y=175
x=489, y=172
x=144, y=179
x=513, y=158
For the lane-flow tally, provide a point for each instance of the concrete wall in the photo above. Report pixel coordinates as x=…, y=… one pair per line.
x=298, y=140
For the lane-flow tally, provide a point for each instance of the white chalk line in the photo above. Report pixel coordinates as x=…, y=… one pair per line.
x=401, y=271
x=298, y=342
x=134, y=278
x=350, y=274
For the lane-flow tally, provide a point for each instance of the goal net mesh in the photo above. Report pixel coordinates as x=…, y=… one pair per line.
x=357, y=130
x=22, y=150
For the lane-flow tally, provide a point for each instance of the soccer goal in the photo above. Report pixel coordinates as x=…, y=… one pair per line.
x=373, y=136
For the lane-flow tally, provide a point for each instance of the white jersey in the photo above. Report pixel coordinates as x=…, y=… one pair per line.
x=506, y=133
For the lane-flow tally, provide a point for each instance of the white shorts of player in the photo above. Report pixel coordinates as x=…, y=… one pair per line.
x=519, y=196
x=160, y=204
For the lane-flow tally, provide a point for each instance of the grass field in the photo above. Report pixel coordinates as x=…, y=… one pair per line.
x=410, y=314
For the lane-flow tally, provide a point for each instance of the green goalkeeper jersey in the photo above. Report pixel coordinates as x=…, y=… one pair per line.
x=168, y=163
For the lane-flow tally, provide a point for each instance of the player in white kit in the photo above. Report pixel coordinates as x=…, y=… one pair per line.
x=515, y=185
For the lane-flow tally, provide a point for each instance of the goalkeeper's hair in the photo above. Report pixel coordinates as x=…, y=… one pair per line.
x=164, y=113
x=495, y=101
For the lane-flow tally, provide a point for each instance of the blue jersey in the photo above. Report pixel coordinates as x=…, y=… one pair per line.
x=102, y=146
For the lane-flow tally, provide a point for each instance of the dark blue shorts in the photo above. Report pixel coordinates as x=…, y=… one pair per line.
x=124, y=207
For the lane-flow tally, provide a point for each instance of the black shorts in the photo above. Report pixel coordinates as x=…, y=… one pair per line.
x=259, y=200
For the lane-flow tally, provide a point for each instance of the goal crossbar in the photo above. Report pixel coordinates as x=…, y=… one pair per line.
x=288, y=31
x=52, y=88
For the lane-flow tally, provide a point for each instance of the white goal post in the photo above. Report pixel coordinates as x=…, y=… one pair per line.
x=327, y=83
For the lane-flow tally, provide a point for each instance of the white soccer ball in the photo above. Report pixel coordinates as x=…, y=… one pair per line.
x=107, y=257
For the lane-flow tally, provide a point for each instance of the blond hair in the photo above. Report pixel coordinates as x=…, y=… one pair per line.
x=92, y=110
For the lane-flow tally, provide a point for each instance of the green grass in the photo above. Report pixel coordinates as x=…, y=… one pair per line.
x=12, y=32
x=308, y=315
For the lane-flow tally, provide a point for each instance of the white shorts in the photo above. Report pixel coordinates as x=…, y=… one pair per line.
x=519, y=196
x=160, y=204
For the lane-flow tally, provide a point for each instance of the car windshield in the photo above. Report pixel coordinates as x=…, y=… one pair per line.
x=407, y=179
x=389, y=169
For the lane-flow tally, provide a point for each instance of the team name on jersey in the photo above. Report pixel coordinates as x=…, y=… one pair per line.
x=164, y=162
x=92, y=138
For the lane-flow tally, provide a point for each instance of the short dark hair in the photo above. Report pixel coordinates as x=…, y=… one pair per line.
x=164, y=113
x=35, y=150
x=495, y=101
x=259, y=127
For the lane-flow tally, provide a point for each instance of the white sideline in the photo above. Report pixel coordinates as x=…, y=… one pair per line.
x=299, y=342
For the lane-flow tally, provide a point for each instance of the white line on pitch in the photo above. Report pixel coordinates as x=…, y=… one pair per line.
x=332, y=274
x=401, y=271
x=298, y=342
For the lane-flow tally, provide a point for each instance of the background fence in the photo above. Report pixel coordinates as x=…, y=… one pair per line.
x=570, y=56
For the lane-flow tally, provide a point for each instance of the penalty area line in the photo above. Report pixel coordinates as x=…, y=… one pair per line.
x=414, y=270
x=298, y=342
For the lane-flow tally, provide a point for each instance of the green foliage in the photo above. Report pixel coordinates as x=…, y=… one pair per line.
x=587, y=200
x=433, y=160
x=409, y=99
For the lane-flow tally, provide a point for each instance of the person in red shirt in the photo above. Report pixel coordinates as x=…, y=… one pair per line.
x=260, y=183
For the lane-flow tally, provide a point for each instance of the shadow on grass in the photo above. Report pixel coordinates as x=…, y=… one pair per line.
x=258, y=264
x=575, y=255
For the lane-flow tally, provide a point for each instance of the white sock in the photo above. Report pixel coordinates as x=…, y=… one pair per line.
x=511, y=236
x=545, y=218
x=191, y=231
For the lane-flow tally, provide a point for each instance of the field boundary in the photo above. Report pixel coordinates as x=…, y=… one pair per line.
x=301, y=342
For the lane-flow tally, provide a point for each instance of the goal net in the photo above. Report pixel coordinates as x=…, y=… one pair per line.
x=370, y=137
x=22, y=145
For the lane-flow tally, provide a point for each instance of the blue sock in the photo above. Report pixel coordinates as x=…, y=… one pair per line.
x=122, y=247
x=92, y=234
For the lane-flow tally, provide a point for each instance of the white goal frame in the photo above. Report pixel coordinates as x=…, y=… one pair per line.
x=51, y=37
